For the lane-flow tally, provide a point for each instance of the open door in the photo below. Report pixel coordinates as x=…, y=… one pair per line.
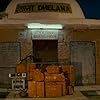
x=45, y=50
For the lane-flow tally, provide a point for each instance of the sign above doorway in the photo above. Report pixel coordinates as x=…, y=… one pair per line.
x=43, y=7
x=45, y=34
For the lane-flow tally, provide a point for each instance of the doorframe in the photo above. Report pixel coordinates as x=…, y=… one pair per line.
x=94, y=42
x=54, y=62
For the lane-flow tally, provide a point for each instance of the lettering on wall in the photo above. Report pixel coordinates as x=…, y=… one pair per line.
x=45, y=34
x=43, y=7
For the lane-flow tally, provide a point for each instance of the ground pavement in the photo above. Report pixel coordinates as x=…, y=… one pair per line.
x=91, y=92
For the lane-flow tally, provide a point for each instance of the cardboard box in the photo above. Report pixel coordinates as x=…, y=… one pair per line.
x=54, y=77
x=20, y=68
x=53, y=69
x=53, y=90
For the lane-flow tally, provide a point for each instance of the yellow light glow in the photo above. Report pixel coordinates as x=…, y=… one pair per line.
x=44, y=26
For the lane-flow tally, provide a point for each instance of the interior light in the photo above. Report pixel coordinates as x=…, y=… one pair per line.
x=44, y=26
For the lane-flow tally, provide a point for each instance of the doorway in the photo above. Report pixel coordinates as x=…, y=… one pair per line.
x=83, y=59
x=45, y=50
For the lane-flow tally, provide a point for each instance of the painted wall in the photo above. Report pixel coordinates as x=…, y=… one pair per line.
x=8, y=34
x=12, y=35
x=90, y=35
x=51, y=9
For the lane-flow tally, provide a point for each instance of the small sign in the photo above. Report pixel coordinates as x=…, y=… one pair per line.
x=44, y=34
x=43, y=7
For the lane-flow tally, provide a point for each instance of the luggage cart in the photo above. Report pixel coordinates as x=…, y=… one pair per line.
x=18, y=81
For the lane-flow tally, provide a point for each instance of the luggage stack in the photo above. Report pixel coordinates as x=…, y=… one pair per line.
x=35, y=82
x=55, y=84
x=52, y=81
x=69, y=77
x=21, y=68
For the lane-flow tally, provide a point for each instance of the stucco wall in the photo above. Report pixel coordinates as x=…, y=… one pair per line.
x=11, y=35
x=76, y=10
x=90, y=35
x=65, y=37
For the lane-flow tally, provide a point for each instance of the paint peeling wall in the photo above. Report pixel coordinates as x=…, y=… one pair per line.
x=26, y=44
x=90, y=35
x=13, y=35
x=65, y=37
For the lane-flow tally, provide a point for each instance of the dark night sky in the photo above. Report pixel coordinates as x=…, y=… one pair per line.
x=91, y=8
x=3, y=4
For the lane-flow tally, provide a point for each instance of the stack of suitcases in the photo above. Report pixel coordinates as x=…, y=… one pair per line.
x=55, y=84
x=55, y=81
x=69, y=76
x=35, y=82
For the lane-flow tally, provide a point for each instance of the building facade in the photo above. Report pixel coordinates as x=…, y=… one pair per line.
x=52, y=32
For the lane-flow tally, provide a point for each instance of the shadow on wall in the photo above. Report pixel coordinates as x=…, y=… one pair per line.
x=3, y=94
x=78, y=73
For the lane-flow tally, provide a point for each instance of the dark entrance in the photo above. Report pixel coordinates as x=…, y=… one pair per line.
x=45, y=50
